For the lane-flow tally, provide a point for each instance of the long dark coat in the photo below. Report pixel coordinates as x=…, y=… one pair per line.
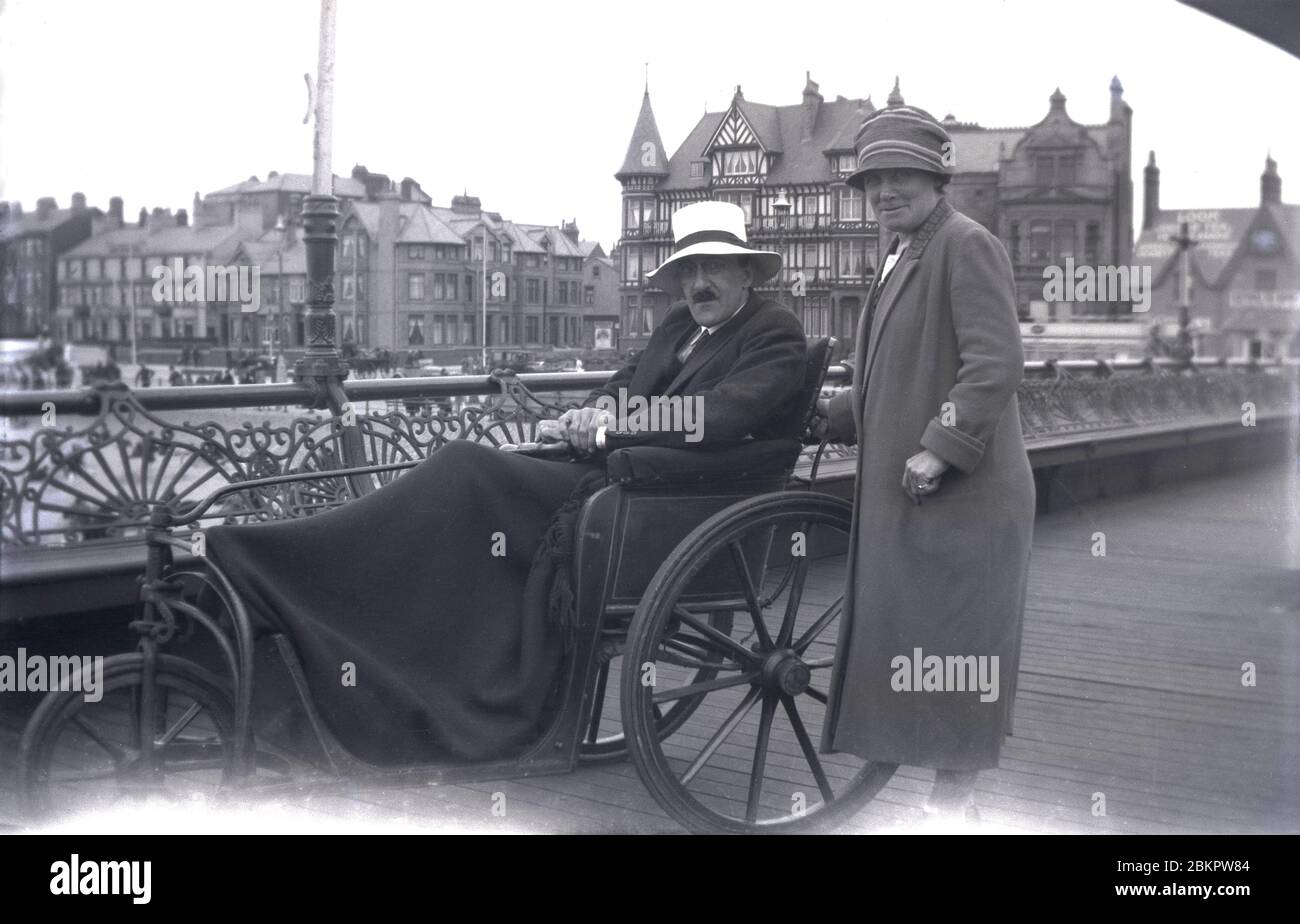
x=948, y=576
x=445, y=645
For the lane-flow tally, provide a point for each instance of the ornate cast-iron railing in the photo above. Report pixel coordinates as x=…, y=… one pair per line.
x=114, y=453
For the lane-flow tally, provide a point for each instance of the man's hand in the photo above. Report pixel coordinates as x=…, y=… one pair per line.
x=578, y=427
x=921, y=474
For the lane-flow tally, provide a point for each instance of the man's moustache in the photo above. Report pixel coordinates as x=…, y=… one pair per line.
x=706, y=296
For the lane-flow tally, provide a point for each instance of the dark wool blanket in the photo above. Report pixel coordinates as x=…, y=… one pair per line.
x=420, y=612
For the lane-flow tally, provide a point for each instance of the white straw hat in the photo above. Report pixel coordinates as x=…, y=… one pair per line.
x=715, y=229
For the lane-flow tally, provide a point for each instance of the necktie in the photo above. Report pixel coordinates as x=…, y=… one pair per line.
x=691, y=346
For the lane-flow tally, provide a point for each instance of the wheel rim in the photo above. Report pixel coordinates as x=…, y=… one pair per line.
x=748, y=758
x=79, y=756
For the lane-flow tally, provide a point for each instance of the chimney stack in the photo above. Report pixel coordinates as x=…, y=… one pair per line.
x=812, y=101
x=143, y=220
x=1150, y=191
x=115, y=211
x=45, y=206
x=4, y=212
x=182, y=218
x=78, y=202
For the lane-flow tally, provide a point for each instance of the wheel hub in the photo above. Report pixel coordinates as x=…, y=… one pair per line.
x=785, y=672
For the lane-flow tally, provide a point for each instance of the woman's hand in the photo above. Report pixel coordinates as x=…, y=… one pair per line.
x=821, y=423
x=921, y=474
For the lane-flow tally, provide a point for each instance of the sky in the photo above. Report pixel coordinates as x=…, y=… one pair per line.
x=530, y=106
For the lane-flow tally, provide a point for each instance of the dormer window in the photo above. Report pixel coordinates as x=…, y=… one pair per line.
x=844, y=163
x=697, y=170
x=740, y=163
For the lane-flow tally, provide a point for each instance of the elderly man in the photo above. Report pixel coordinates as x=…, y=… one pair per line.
x=438, y=587
x=739, y=355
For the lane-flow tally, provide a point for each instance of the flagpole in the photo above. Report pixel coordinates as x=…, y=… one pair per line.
x=483, y=286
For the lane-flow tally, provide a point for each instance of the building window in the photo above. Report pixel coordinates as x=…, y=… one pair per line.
x=297, y=291
x=851, y=258
x=439, y=287
x=1265, y=280
x=697, y=169
x=414, y=252
x=534, y=328
x=1092, y=243
x=1066, y=170
x=415, y=331
x=1040, y=242
x=534, y=293
x=349, y=289
x=361, y=252
x=1013, y=245
x=415, y=286
x=648, y=320
x=1044, y=169
x=743, y=199
x=740, y=163
x=347, y=243
x=1064, y=240
x=850, y=204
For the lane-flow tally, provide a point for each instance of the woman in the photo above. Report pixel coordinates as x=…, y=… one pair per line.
x=944, y=504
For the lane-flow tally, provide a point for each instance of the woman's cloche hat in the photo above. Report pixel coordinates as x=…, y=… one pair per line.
x=903, y=137
x=714, y=229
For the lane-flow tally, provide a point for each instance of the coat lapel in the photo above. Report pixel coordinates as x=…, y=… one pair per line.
x=898, y=279
x=712, y=343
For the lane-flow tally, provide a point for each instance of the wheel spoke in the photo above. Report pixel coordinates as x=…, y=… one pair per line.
x=796, y=594
x=704, y=686
x=598, y=706
x=708, y=631
x=817, y=695
x=760, y=758
x=818, y=627
x=113, y=750
x=751, y=594
x=711, y=746
x=819, y=663
x=809, y=752
x=179, y=726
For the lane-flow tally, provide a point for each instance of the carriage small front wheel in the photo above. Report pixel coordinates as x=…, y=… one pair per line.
x=748, y=758
x=78, y=754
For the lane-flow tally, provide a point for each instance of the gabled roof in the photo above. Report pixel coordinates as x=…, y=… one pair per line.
x=1218, y=233
x=421, y=225
x=344, y=186
x=646, y=132
x=31, y=223
x=117, y=242
x=980, y=150
x=779, y=129
x=561, y=244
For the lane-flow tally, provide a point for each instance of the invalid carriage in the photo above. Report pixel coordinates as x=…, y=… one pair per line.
x=708, y=604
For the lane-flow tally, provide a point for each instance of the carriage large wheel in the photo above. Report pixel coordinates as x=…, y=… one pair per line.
x=77, y=755
x=747, y=760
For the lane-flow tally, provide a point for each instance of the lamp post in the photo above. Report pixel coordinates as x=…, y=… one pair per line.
x=783, y=206
x=1183, y=349
x=321, y=366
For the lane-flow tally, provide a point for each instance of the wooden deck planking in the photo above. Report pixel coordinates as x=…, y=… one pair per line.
x=1130, y=685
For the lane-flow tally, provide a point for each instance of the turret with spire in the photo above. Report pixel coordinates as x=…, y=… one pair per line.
x=645, y=152
x=1150, y=192
x=1270, y=183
